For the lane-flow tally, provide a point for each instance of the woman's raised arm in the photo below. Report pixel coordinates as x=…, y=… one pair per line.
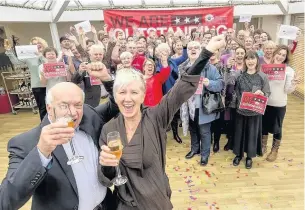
x=186, y=86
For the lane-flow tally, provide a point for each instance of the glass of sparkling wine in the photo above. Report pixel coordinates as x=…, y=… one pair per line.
x=115, y=145
x=68, y=119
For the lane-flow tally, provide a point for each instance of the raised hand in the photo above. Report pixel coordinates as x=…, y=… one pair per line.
x=119, y=66
x=216, y=43
x=72, y=29
x=93, y=30
x=105, y=27
x=98, y=70
x=53, y=135
x=72, y=38
x=83, y=67
x=164, y=57
x=296, y=79
x=231, y=62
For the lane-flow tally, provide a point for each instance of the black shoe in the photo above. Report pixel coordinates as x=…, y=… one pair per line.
x=236, y=161
x=248, y=163
x=191, y=154
x=204, y=161
x=175, y=134
x=178, y=139
x=216, y=146
x=227, y=146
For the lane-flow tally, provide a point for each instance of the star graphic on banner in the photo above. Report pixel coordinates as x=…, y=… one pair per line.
x=177, y=20
x=196, y=19
x=187, y=20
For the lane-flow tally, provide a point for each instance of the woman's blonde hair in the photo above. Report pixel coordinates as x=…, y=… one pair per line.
x=127, y=76
x=40, y=40
x=269, y=44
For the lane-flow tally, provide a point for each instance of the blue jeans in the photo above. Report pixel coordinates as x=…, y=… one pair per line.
x=200, y=134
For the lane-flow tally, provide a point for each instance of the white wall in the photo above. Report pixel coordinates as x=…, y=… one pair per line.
x=270, y=24
x=25, y=31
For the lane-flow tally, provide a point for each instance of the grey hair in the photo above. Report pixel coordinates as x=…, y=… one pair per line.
x=96, y=47
x=194, y=43
x=49, y=97
x=163, y=47
x=125, y=55
x=126, y=76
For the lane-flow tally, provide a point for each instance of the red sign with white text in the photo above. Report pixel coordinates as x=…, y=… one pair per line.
x=253, y=102
x=160, y=20
x=95, y=81
x=51, y=70
x=200, y=86
x=274, y=71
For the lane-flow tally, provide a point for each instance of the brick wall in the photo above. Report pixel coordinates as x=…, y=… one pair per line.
x=297, y=63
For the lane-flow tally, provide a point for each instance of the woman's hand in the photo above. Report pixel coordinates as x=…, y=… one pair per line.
x=93, y=30
x=230, y=62
x=216, y=43
x=72, y=38
x=206, y=82
x=119, y=66
x=106, y=158
x=296, y=79
x=72, y=29
x=259, y=92
x=164, y=57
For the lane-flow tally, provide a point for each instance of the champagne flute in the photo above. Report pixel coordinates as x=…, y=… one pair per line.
x=68, y=119
x=115, y=145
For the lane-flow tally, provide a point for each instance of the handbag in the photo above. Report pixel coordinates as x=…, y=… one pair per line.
x=211, y=101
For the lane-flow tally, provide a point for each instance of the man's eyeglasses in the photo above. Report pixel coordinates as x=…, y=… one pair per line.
x=193, y=47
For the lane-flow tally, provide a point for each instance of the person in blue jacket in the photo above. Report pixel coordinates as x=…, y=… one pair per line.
x=164, y=48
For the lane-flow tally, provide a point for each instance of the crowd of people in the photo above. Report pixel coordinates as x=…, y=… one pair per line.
x=153, y=82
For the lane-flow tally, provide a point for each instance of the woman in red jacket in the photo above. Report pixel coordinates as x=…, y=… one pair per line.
x=154, y=81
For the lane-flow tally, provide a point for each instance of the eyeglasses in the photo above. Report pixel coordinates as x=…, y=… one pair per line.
x=193, y=47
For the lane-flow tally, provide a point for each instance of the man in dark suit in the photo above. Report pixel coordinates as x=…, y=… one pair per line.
x=38, y=158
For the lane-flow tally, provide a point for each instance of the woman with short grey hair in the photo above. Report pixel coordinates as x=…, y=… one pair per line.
x=143, y=135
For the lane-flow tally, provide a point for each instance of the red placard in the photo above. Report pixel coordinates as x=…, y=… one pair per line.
x=51, y=70
x=253, y=102
x=219, y=18
x=274, y=71
x=95, y=81
x=200, y=86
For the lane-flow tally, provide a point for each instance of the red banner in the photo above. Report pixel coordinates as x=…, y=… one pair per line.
x=51, y=70
x=253, y=102
x=274, y=71
x=160, y=20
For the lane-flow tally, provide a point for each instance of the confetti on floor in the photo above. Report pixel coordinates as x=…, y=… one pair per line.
x=207, y=173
